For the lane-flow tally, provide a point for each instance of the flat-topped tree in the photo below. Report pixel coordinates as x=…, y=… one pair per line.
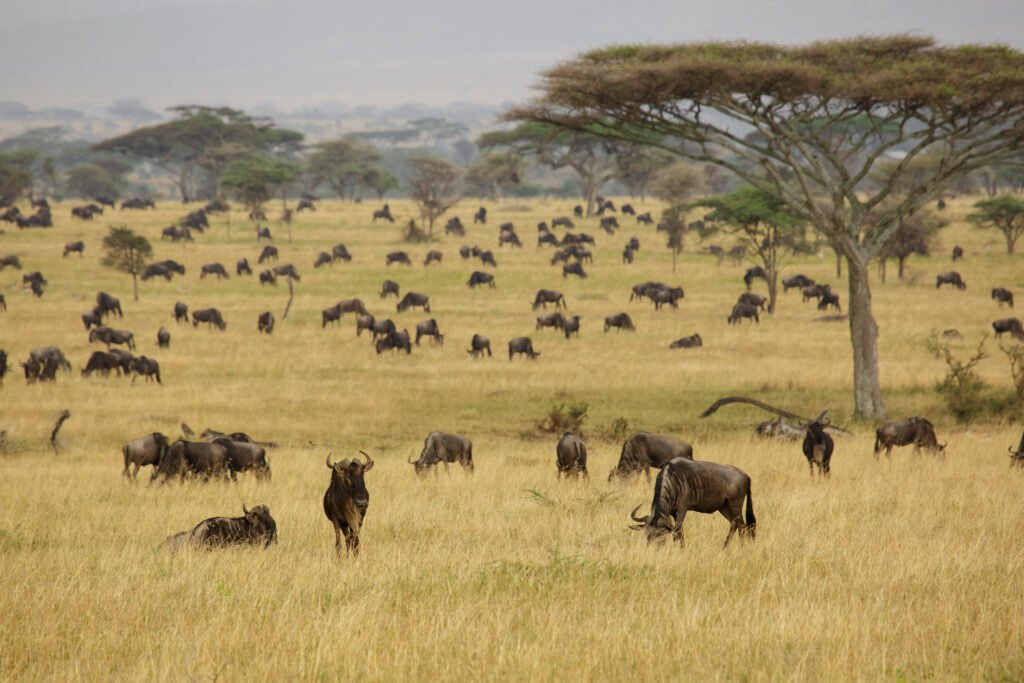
x=1005, y=214
x=127, y=252
x=809, y=124
x=434, y=185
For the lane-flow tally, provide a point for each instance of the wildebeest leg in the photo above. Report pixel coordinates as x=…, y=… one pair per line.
x=810, y=465
x=733, y=512
x=677, y=532
x=337, y=538
x=351, y=542
x=135, y=472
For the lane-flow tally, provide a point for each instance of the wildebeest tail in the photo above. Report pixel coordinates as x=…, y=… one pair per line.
x=751, y=519
x=124, y=452
x=878, y=440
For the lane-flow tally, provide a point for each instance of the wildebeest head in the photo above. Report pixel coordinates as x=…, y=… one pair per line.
x=661, y=521
x=261, y=523
x=350, y=475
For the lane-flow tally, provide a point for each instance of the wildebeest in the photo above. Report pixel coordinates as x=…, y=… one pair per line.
x=397, y=257
x=796, y=282
x=454, y=227
x=665, y=295
x=394, y=341
x=104, y=201
x=142, y=452
x=269, y=253
x=414, y=300
x=620, y=321
x=265, y=323
x=143, y=366
x=245, y=456
x=950, y=278
x=433, y=256
x=691, y=342
x=86, y=212
x=287, y=270
x=107, y=304
x=267, y=277
x=683, y=485
x=509, y=237
x=157, y=270
x=382, y=329
x=628, y=210
x=627, y=255
x=387, y=288
x=210, y=316
x=255, y=527
x=562, y=221
x=383, y=214
x=958, y=253
x=829, y=299
x=752, y=299
x=643, y=450
x=110, y=337
x=196, y=220
x=571, y=326
x=487, y=258
x=324, y=259
x=263, y=233
x=340, y=253
x=163, y=338
x=1003, y=296
x=756, y=272
x=480, y=216
x=137, y=203
x=609, y=224
x=180, y=312
x=364, y=322
x=4, y=367
x=213, y=269
x=10, y=261
x=818, y=445
x=548, y=296
x=577, y=211
x=101, y=362
x=779, y=429
x=547, y=238
x=571, y=456
x=814, y=291
x=574, y=269
x=522, y=346
x=740, y=311
x=184, y=458
x=478, y=345
x=429, y=328
x=645, y=218
x=91, y=319
x=480, y=278
x=74, y=248
x=914, y=430
x=442, y=447
x=1017, y=457
x=1011, y=325
x=242, y=267
x=124, y=358
x=305, y=204
x=346, y=500
x=176, y=234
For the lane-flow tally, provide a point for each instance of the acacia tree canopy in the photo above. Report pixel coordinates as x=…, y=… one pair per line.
x=1005, y=214
x=434, y=185
x=128, y=252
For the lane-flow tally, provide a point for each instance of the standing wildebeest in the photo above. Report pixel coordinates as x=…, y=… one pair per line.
x=571, y=326
x=665, y=295
x=1003, y=296
x=210, y=316
x=554, y=320
x=324, y=259
x=142, y=452
x=263, y=234
x=950, y=278
x=145, y=367
x=267, y=277
x=577, y=211
x=397, y=257
x=91, y=319
x=523, y=346
x=454, y=227
x=305, y=204
x=74, y=248
x=433, y=256
x=562, y=221
x=818, y=445
x=814, y=292
x=642, y=451
x=213, y=269
x=429, y=328
x=740, y=311
x=180, y=312
x=829, y=299
x=645, y=219
x=609, y=224
x=388, y=287
x=548, y=296
x=441, y=447
x=381, y=329
x=690, y=342
x=163, y=338
x=242, y=267
x=913, y=430
x=752, y=299
x=414, y=300
x=620, y=321
x=257, y=526
x=757, y=272
x=183, y=458
x=287, y=270
x=571, y=456
x=707, y=487
x=394, y=341
x=487, y=258
x=958, y=253
x=480, y=216
x=364, y=322
x=346, y=500
x=627, y=254
x=383, y=214
x=245, y=456
x=480, y=278
x=110, y=336
x=546, y=237
x=574, y=269
x=339, y=252
x=627, y=210
x=478, y=345
x=11, y=261
x=265, y=323
x=124, y=358
x=4, y=366
x=102, y=362
x=157, y=270
x=269, y=253
x=107, y=304
x=796, y=282
x=1011, y=325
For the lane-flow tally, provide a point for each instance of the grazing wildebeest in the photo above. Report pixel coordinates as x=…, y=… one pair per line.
x=305, y=204
x=643, y=450
x=665, y=295
x=818, y=445
x=346, y=500
x=547, y=238
x=35, y=279
x=571, y=456
x=414, y=300
x=683, y=485
x=183, y=458
x=1011, y=325
x=465, y=252
x=265, y=323
x=180, y=312
x=958, y=253
x=428, y=328
x=145, y=367
x=267, y=277
x=382, y=329
x=548, y=296
x=196, y=220
x=335, y=312
x=480, y=216
x=87, y=212
x=609, y=224
x=74, y=248
x=157, y=270
x=110, y=336
x=101, y=362
x=433, y=256
x=163, y=338
x=395, y=341
x=814, y=292
x=480, y=278
x=950, y=278
x=487, y=258
x=620, y=321
x=509, y=237
x=454, y=227
x=627, y=210
x=645, y=219
x=796, y=282
x=740, y=311
x=124, y=358
x=397, y=257
x=107, y=304
x=324, y=259
x=364, y=322
x=256, y=527
x=11, y=261
x=523, y=346
x=690, y=342
x=562, y=222
x=210, y=316
x=388, y=287
x=92, y=319
x=571, y=326
x=554, y=320
x=142, y=452
x=752, y=299
x=339, y=252
x=442, y=447
x=287, y=270
x=914, y=430
x=574, y=269
x=263, y=233
x=242, y=267
x=245, y=456
x=757, y=272
x=269, y=253
x=213, y=269
x=1003, y=296
x=383, y=214
x=829, y=299
x=478, y=345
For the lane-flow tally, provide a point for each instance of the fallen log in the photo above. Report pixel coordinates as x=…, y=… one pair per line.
x=728, y=400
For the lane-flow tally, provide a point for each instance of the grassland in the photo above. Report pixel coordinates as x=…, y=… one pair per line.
x=907, y=569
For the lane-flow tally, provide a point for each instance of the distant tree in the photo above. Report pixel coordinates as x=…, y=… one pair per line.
x=15, y=175
x=342, y=165
x=1005, y=214
x=917, y=234
x=494, y=173
x=127, y=252
x=255, y=180
x=434, y=185
x=437, y=131
x=676, y=185
x=465, y=151
x=92, y=180
x=380, y=181
x=133, y=110
x=636, y=167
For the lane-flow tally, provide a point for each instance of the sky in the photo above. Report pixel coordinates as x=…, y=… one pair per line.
x=299, y=53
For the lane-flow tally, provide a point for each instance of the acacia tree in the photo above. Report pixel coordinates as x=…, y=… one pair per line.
x=916, y=235
x=808, y=106
x=434, y=185
x=380, y=181
x=342, y=165
x=494, y=173
x=675, y=186
x=1005, y=214
x=637, y=166
x=127, y=252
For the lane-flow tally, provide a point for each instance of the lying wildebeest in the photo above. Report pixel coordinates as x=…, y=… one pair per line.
x=102, y=362
x=211, y=316
x=441, y=447
x=690, y=342
x=571, y=456
x=554, y=320
x=383, y=214
x=145, y=367
x=755, y=300
x=267, y=277
x=523, y=346
x=74, y=248
x=642, y=451
x=324, y=259
x=287, y=270
x=818, y=445
x=397, y=257
x=91, y=319
x=574, y=269
x=478, y=345
x=757, y=272
x=620, y=321
x=429, y=328
x=107, y=304
x=796, y=282
x=740, y=311
x=562, y=221
x=1011, y=325
x=395, y=341
x=914, y=430
x=265, y=323
x=242, y=267
x=257, y=526
x=779, y=429
x=433, y=256
x=950, y=278
x=548, y=296
x=480, y=278
x=110, y=336
x=142, y=452
x=487, y=258
x=180, y=312
x=346, y=500
x=184, y=458
x=245, y=456
x=364, y=322
x=387, y=288
x=1003, y=296
x=571, y=326
x=414, y=300
x=382, y=329
x=454, y=227
x=269, y=253
x=213, y=269
x=480, y=216
x=683, y=485
x=340, y=253
x=958, y=253
x=163, y=338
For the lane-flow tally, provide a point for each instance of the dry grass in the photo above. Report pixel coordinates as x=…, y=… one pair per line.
x=909, y=569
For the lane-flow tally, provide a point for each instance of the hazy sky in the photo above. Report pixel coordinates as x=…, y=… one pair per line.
x=300, y=52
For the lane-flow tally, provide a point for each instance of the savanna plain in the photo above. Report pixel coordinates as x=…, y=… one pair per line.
x=908, y=569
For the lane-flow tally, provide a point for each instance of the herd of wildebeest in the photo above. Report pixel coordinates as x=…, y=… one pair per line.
x=682, y=483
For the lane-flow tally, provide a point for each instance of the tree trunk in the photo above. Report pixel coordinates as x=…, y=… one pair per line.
x=1011, y=242
x=773, y=289
x=135, y=286
x=867, y=392
x=590, y=188
x=839, y=264
x=902, y=262
x=881, y=269
x=183, y=184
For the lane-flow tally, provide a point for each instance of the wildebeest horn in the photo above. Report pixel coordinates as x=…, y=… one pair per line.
x=632, y=515
x=823, y=418
x=369, y=461
x=413, y=462
x=328, y=461
x=244, y=509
